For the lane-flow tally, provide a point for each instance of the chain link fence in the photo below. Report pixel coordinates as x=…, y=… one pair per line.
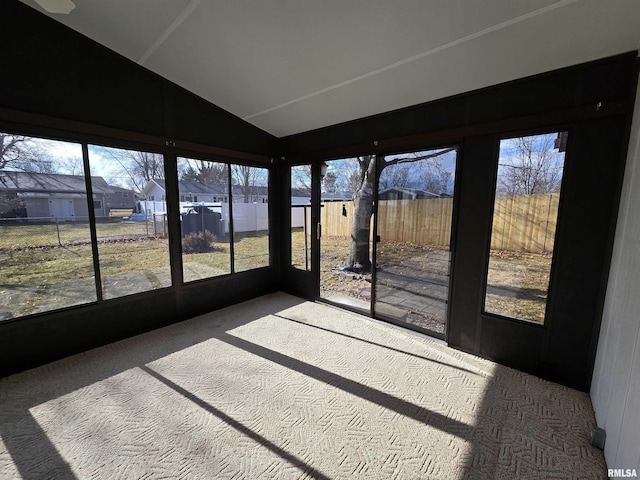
x=24, y=233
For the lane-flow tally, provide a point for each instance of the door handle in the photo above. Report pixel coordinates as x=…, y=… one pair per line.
x=318, y=230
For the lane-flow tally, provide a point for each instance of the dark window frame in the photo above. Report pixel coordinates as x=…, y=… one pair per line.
x=499, y=137
x=229, y=162
x=40, y=127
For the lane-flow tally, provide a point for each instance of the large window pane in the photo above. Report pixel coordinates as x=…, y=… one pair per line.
x=250, y=217
x=204, y=218
x=301, y=217
x=46, y=259
x=346, y=216
x=131, y=220
x=524, y=225
x=415, y=212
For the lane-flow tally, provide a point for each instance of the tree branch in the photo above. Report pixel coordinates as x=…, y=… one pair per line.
x=414, y=159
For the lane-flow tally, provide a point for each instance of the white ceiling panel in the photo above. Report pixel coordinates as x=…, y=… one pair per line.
x=261, y=54
x=128, y=27
x=289, y=66
x=507, y=54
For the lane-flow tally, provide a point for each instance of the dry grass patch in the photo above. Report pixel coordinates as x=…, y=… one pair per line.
x=251, y=250
x=517, y=284
x=517, y=281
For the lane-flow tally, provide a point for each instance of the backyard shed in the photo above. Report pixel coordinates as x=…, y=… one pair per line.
x=46, y=196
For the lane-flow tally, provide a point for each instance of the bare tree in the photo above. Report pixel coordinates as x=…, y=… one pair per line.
x=529, y=165
x=138, y=167
x=439, y=183
x=362, y=210
x=72, y=166
x=414, y=171
x=206, y=172
x=436, y=177
x=245, y=178
x=13, y=149
x=398, y=176
x=301, y=178
x=363, y=202
x=19, y=152
x=349, y=175
x=330, y=182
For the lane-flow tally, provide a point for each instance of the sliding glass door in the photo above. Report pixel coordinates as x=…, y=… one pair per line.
x=414, y=219
x=395, y=266
x=346, y=231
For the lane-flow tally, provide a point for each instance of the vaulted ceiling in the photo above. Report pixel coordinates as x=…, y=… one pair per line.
x=289, y=66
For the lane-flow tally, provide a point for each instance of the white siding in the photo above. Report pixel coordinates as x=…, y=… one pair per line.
x=250, y=217
x=298, y=216
x=615, y=390
x=156, y=192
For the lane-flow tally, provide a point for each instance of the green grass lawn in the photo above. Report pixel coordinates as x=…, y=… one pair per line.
x=298, y=250
x=30, y=235
x=38, y=274
x=251, y=250
x=42, y=279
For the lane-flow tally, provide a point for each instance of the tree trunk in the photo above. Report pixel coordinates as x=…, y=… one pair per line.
x=362, y=211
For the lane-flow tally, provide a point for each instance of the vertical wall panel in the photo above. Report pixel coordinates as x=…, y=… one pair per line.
x=476, y=190
x=616, y=379
x=586, y=219
x=52, y=70
x=48, y=69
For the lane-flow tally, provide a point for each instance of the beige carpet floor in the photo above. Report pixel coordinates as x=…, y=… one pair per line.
x=282, y=388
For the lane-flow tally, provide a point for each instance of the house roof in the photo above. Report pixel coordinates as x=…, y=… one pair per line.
x=336, y=196
x=190, y=187
x=255, y=190
x=296, y=192
x=31, y=182
x=120, y=189
x=411, y=192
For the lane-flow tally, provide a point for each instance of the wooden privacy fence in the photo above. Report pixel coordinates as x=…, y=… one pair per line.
x=525, y=223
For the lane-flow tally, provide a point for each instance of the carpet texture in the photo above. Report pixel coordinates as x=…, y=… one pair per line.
x=278, y=387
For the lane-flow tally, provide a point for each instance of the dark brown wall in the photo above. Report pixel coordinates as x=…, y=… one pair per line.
x=49, y=69
x=594, y=103
x=494, y=108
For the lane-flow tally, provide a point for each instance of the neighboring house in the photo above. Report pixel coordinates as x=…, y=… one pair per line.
x=121, y=199
x=300, y=207
x=256, y=194
x=40, y=196
x=396, y=193
x=299, y=197
x=198, y=192
x=190, y=192
x=336, y=196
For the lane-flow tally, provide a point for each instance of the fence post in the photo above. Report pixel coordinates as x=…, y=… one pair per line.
x=58, y=231
x=546, y=229
x=306, y=246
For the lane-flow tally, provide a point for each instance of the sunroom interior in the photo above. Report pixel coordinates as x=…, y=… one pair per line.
x=165, y=161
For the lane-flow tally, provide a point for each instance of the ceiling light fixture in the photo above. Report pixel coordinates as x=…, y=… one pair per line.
x=57, y=6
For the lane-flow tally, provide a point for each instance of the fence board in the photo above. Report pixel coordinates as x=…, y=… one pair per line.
x=520, y=223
